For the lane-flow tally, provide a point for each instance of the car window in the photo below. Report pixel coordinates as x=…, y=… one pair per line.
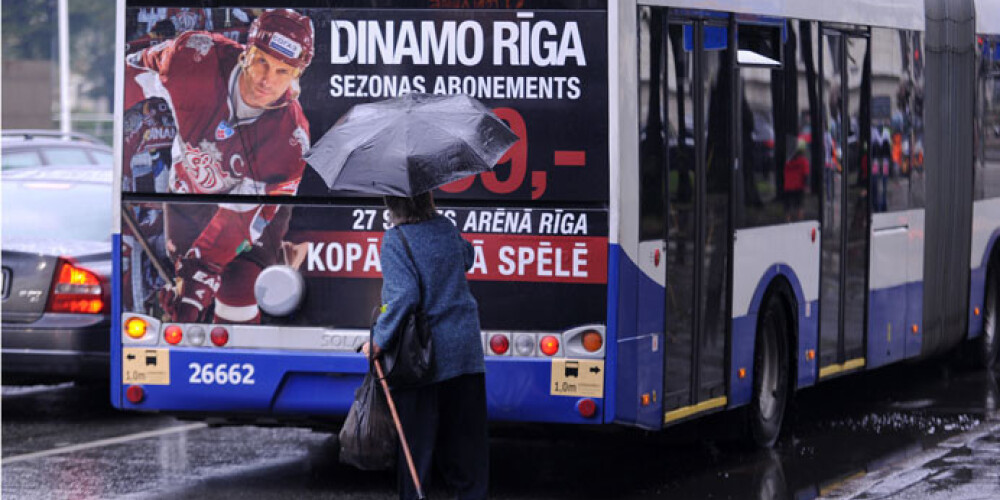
x=102, y=157
x=67, y=156
x=56, y=209
x=18, y=159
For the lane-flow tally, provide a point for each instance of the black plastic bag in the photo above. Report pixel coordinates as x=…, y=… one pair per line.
x=368, y=439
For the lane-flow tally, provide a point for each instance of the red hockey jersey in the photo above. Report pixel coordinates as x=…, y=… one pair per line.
x=213, y=152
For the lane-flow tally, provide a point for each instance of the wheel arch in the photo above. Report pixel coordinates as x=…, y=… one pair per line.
x=987, y=264
x=993, y=255
x=778, y=281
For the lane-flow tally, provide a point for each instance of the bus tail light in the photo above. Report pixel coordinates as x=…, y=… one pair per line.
x=592, y=341
x=136, y=328
x=173, y=334
x=196, y=335
x=135, y=394
x=499, y=344
x=76, y=290
x=586, y=407
x=549, y=345
x=220, y=336
x=524, y=344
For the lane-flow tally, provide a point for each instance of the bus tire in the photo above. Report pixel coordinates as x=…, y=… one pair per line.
x=770, y=376
x=988, y=348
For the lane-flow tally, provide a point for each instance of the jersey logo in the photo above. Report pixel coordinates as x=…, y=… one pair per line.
x=223, y=131
x=201, y=44
x=203, y=167
x=300, y=138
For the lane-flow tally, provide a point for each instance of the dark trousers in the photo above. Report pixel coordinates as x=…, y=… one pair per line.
x=445, y=426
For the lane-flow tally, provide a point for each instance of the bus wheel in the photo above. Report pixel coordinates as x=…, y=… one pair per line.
x=989, y=341
x=770, y=377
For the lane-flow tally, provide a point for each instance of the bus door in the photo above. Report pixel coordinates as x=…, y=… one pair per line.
x=691, y=177
x=846, y=211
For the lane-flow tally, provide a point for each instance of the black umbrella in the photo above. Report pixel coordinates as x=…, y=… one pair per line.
x=409, y=145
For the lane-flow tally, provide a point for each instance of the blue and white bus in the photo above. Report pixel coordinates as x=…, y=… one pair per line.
x=711, y=205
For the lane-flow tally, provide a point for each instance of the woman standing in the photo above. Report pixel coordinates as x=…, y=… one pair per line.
x=444, y=420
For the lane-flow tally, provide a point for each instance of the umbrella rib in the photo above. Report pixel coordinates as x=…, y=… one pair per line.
x=459, y=137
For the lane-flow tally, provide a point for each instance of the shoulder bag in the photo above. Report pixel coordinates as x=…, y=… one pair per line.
x=409, y=362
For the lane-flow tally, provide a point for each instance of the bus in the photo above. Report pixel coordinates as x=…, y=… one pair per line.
x=710, y=205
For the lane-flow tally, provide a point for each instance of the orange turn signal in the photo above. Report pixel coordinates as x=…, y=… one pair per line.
x=742, y=372
x=592, y=341
x=136, y=327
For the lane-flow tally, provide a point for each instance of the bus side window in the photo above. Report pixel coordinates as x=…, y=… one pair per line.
x=890, y=183
x=761, y=87
x=653, y=131
x=988, y=180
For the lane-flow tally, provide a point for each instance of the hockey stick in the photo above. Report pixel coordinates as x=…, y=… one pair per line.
x=134, y=227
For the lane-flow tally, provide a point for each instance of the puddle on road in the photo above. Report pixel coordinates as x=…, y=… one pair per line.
x=856, y=425
x=840, y=431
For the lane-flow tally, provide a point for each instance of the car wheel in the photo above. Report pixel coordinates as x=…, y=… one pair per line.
x=770, y=377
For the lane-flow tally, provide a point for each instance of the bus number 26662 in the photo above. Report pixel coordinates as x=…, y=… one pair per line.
x=221, y=374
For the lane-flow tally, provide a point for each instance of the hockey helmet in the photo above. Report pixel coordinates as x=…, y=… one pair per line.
x=285, y=34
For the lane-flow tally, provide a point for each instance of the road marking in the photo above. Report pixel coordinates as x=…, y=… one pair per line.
x=15, y=391
x=103, y=442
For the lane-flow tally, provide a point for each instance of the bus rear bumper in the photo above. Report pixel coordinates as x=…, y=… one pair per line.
x=318, y=384
x=520, y=390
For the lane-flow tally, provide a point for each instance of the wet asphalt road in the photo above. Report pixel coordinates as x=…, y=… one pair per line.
x=927, y=430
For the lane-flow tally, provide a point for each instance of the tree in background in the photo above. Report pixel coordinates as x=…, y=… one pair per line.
x=30, y=32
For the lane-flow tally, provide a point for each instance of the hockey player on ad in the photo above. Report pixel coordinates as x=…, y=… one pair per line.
x=240, y=131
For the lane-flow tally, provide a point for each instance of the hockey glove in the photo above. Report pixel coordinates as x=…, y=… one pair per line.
x=194, y=288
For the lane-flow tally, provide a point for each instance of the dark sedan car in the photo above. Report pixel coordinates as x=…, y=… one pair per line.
x=56, y=273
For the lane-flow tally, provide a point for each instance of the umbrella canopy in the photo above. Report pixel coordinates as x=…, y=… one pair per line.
x=409, y=145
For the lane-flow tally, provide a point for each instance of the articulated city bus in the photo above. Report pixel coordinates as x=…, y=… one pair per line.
x=711, y=205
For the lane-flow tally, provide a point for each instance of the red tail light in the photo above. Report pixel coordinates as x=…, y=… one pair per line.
x=76, y=290
x=549, y=345
x=499, y=344
x=219, y=336
x=135, y=394
x=173, y=334
x=586, y=407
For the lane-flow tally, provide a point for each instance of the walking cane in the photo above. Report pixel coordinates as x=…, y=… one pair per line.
x=399, y=429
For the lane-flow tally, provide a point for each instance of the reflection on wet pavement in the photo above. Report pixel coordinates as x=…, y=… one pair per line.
x=918, y=431
x=964, y=467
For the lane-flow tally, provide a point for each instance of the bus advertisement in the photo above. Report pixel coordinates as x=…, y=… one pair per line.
x=253, y=283
x=708, y=208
